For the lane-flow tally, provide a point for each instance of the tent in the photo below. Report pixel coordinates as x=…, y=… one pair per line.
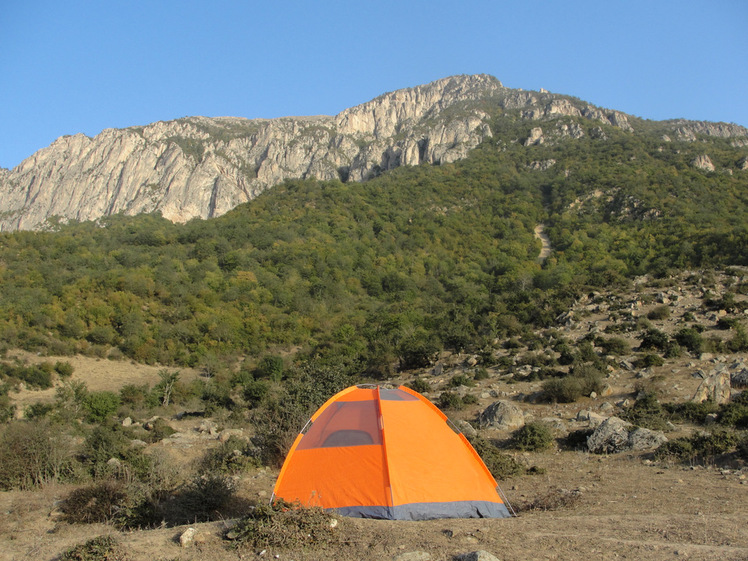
x=374, y=452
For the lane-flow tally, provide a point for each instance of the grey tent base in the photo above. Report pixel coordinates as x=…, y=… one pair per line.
x=428, y=511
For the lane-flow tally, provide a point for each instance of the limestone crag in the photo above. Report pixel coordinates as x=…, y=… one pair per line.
x=203, y=167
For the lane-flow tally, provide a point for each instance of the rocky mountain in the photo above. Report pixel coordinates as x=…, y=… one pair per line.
x=203, y=167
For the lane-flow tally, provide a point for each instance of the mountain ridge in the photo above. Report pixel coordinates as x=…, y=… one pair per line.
x=202, y=167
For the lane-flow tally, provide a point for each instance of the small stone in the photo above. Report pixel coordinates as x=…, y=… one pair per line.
x=187, y=537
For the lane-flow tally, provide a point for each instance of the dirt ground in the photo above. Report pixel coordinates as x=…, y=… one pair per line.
x=627, y=509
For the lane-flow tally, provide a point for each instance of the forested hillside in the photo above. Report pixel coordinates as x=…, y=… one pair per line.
x=388, y=272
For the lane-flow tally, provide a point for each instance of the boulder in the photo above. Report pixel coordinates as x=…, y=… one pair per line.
x=645, y=439
x=716, y=388
x=503, y=415
x=616, y=435
x=611, y=436
x=466, y=428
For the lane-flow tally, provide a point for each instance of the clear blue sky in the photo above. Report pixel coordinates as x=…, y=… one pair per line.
x=82, y=65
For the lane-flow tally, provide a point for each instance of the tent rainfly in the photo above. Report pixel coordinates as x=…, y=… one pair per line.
x=373, y=452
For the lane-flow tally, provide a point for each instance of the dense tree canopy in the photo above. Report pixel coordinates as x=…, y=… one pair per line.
x=394, y=269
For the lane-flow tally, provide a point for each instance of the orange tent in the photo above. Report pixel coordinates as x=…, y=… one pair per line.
x=374, y=452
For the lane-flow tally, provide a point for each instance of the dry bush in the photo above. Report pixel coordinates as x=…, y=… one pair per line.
x=94, y=503
x=284, y=525
x=553, y=499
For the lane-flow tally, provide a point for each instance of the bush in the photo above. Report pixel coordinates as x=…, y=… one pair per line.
x=33, y=453
x=203, y=499
x=581, y=381
x=159, y=430
x=699, y=448
x=533, y=437
x=501, y=465
x=460, y=380
x=100, y=502
x=64, y=369
x=255, y=392
x=38, y=410
x=553, y=499
x=131, y=394
x=659, y=313
x=102, y=548
x=419, y=385
x=100, y=406
x=647, y=412
x=691, y=411
x=615, y=346
x=691, y=339
x=283, y=525
x=449, y=400
x=233, y=456
x=104, y=443
x=649, y=360
x=654, y=339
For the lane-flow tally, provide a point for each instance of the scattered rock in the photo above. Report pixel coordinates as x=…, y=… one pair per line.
x=225, y=434
x=126, y=422
x=413, y=556
x=479, y=555
x=209, y=427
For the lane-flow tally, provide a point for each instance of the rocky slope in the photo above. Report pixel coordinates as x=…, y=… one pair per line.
x=204, y=167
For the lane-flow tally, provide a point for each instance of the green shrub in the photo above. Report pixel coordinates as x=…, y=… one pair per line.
x=481, y=373
x=659, y=313
x=698, y=448
x=38, y=410
x=691, y=339
x=64, y=369
x=460, y=380
x=419, y=385
x=615, y=346
x=735, y=413
x=582, y=380
x=133, y=395
x=654, y=339
x=501, y=465
x=270, y=367
x=233, y=456
x=449, y=400
x=104, y=443
x=742, y=448
x=532, y=437
x=100, y=406
x=690, y=411
x=256, y=391
x=102, y=548
x=159, y=429
x=647, y=412
x=649, y=360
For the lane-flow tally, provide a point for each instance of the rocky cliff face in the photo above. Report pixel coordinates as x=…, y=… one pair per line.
x=204, y=167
